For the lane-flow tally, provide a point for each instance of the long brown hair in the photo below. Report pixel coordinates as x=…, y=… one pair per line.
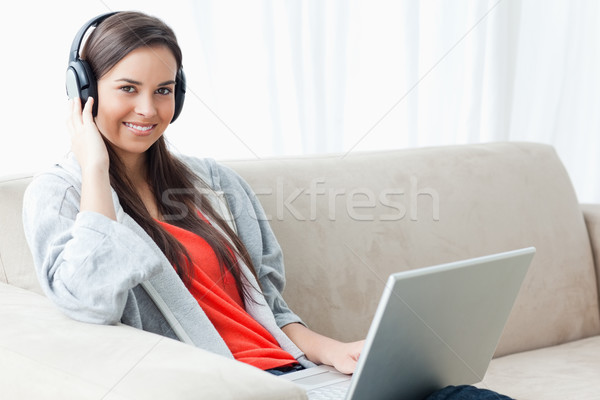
x=110, y=42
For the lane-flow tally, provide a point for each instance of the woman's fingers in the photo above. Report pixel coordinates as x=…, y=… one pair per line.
x=76, y=110
x=79, y=119
x=74, y=120
x=87, y=110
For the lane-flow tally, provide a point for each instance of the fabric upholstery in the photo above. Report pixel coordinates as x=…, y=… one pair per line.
x=567, y=371
x=346, y=222
x=46, y=355
x=591, y=214
x=16, y=263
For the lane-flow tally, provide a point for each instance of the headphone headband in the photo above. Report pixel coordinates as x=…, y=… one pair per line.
x=92, y=23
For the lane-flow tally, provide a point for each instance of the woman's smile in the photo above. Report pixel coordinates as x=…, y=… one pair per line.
x=140, y=129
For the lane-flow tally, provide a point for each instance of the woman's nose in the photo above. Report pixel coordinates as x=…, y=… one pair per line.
x=145, y=106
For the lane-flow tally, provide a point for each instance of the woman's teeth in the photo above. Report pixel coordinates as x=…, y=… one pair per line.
x=139, y=128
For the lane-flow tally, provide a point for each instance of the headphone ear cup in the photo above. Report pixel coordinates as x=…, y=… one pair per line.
x=91, y=88
x=72, y=82
x=180, y=89
x=82, y=83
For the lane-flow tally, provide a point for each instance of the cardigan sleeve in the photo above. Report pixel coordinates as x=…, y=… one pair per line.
x=256, y=234
x=85, y=262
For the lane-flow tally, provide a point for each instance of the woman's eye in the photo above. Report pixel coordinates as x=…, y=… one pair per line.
x=164, y=91
x=128, y=89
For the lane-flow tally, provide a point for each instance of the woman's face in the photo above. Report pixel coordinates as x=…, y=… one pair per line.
x=136, y=100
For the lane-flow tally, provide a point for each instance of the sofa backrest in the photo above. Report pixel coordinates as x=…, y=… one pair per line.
x=345, y=222
x=16, y=262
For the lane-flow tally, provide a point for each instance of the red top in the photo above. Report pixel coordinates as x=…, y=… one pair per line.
x=248, y=341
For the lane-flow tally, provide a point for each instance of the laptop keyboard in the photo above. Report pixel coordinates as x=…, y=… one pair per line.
x=337, y=391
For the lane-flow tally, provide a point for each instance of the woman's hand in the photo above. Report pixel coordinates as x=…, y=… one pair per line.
x=90, y=151
x=86, y=141
x=323, y=350
x=344, y=356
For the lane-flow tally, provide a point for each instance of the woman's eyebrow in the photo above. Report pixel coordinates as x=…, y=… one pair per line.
x=128, y=81
x=134, y=82
x=171, y=82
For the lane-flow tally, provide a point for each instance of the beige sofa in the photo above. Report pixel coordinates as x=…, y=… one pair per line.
x=345, y=222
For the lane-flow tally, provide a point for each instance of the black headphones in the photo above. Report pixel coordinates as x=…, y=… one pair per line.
x=81, y=81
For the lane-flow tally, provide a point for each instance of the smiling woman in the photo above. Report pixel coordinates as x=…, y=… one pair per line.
x=136, y=101
x=173, y=266
x=123, y=230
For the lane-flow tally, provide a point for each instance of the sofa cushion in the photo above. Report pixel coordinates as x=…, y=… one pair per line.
x=46, y=355
x=345, y=222
x=16, y=262
x=561, y=372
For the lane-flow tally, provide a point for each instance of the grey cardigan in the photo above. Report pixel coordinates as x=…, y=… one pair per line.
x=102, y=271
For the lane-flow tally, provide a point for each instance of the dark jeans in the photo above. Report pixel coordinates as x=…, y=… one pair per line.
x=465, y=392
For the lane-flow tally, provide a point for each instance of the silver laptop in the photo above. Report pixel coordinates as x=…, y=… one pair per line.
x=434, y=327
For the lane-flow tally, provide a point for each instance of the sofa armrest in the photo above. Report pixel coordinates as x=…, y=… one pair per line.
x=591, y=215
x=44, y=354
